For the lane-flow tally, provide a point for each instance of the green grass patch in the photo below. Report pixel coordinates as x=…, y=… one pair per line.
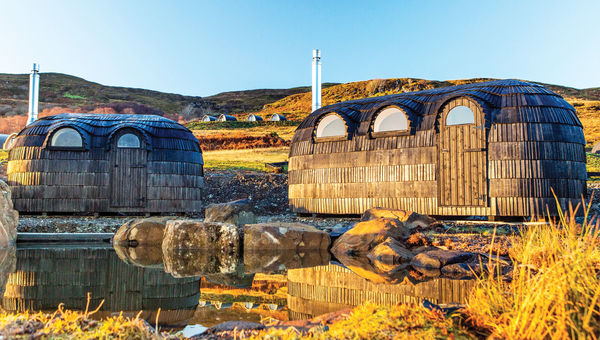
x=3, y=155
x=72, y=96
x=199, y=125
x=247, y=159
x=593, y=162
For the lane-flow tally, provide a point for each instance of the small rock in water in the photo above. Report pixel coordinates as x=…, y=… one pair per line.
x=192, y=330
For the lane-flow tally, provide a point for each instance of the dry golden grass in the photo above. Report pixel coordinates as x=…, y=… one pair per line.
x=555, y=291
x=249, y=159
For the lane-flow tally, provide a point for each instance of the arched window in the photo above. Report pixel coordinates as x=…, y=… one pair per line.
x=129, y=140
x=390, y=119
x=460, y=115
x=331, y=126
x=67, y=138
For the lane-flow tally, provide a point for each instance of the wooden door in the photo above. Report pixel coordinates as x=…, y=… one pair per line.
x=128, y=178
x=462, y=155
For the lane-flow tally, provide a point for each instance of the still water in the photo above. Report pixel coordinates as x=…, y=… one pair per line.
x=282, y=286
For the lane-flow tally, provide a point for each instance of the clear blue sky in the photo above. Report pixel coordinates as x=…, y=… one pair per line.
x=206, y=47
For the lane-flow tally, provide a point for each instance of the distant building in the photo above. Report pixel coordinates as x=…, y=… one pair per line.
x=254, y=118
x=207, y=118
x=226, y=118
x=277, y=117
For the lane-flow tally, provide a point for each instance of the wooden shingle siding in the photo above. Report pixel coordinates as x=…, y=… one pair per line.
x=525, y=142
x=165, y=175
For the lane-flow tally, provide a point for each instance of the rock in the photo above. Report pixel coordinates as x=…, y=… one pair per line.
x=9, y=217
x=340, y=229
x=8, y=265
x=390, y=253
x=237, y=212
x=409, y=218
x=436, y=259
x=284, y=236
x=428, y=272
x=368, y=234
x=279, y=261
x=142, y=231
x=198, y=262
x=362, y=267
x=149, y=256
x=462, y=270
x=194, y=234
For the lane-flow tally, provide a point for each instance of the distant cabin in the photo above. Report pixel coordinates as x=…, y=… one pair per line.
x=207, y=118
x=254, y=118
x=277, y=117
x=489, y=149
x=226, y=118
x=105, y=163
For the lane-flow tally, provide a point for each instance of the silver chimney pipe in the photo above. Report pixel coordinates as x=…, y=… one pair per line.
x=34, y=94
x=316, y=80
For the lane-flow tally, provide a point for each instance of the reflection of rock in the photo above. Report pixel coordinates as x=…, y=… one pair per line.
x=198, y=262
x=9, y=217
x=390, y=252
x=271, y=262
x=190, y=234
x=390, y=274
x=237, y=212
x=409, y=218
x=368, y=234
x=143, y=256
x=237, y=278
x=289, y=236
x=435, y=259
x=142, y=231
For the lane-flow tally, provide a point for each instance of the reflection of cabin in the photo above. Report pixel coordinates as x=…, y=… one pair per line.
x=254, y=118
x=226, y=118
x=207, y=118
x=324, y=289
x=277, y=117
x=46, y=277
x=494, y=148
x=105, y=163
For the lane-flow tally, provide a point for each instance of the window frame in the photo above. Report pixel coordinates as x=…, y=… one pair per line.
x=49, y=145
x=392, y=133
x=129, y=132
x=454, y=107
x=330, y=138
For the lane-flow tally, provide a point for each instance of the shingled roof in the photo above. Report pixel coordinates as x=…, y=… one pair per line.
x=503, y=101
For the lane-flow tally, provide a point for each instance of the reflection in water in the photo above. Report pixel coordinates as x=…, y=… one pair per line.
x=324, y=289
x=48, y=276
x=40, y=277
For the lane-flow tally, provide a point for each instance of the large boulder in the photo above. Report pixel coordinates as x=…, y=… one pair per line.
x=194, y=234
x=409, y=218
x=9, y=217
x=142, y=231
x=367, y=235
x=284, y=236
x=237, y=212
x=389, y=253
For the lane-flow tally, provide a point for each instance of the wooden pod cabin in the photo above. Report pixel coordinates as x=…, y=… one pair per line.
x=495, y=148
x=226, y=118
x=105, y=163
x=277, y=117
x=254, y=118
x=207, y=118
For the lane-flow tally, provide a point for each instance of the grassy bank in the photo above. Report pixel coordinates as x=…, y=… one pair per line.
x=250, y=159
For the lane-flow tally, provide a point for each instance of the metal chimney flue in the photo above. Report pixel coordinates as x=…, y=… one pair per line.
x=316, y=80
x=34, y=94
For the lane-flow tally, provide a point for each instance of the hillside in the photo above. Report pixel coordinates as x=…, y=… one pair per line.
x=66, y=93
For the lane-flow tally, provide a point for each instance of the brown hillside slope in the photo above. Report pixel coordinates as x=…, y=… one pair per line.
x=298, y=106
